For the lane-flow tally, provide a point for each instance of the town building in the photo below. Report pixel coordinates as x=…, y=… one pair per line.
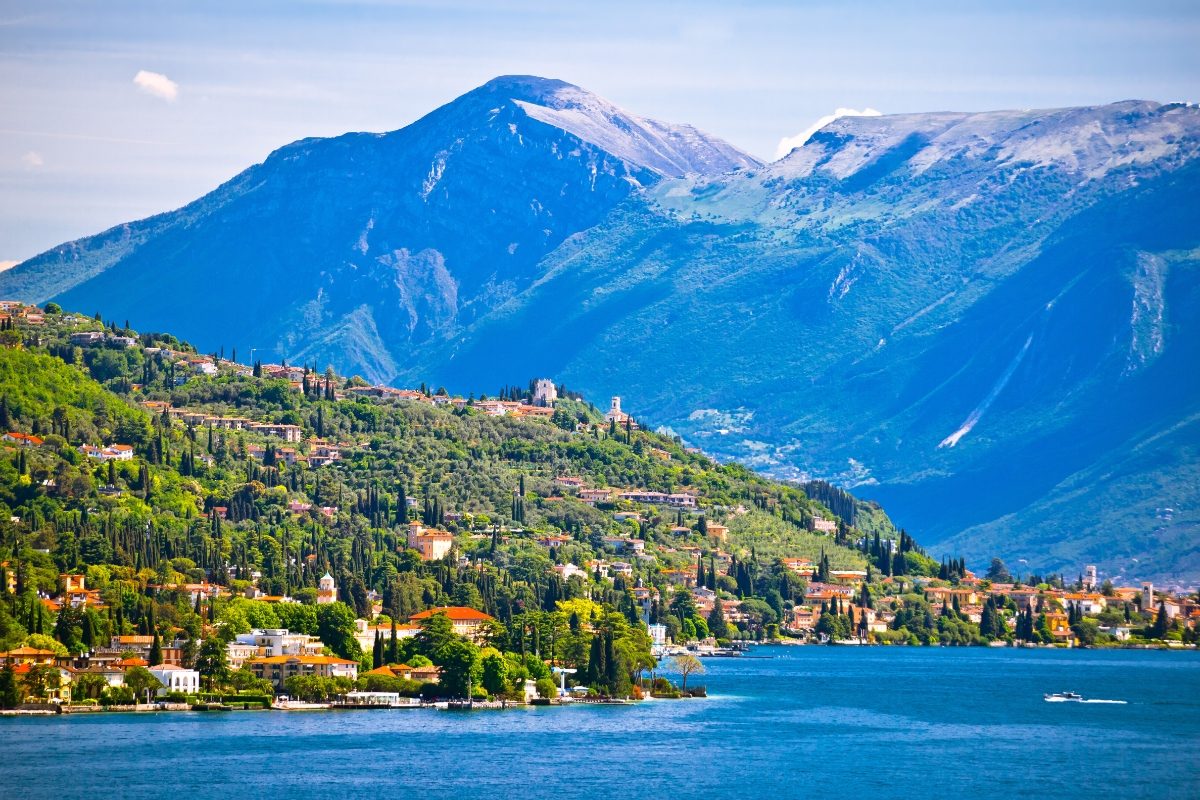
x=468, y=622
x=270, y=642
x=593, y=496
x=430, y=543
x=176, y=679
x=365, y=633
x=278, y=669
x=140, y=646
x=115, y=452
x=675, y=500
x=23, y=439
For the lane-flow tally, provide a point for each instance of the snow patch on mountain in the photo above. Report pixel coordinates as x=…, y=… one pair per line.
x=1091, y=140
x=977, y=414
x=669, y=150
x=790, y=143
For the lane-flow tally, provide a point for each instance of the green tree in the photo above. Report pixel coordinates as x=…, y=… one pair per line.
x=547, y=688
x=41, y=641
x=212, y=663
x=998, y=572
x=9, y=695
x=1086, y=631
x=88, y=686
x=1162, y=623
x=42, y=679
x=66, y=627
x=335, y=627
x=683, y=605
x=460, y=668
x=140, y=681
x=495, y=674
x=436, y=636
x=717, y=625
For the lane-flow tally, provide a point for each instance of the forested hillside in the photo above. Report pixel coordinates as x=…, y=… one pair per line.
x=262, y=484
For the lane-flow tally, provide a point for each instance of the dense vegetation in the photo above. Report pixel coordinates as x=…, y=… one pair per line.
x=200, y=503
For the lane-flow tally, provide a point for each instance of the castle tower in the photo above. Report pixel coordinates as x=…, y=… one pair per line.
x=326, y=589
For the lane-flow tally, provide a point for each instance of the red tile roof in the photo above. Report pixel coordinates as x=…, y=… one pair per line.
x=454, y=613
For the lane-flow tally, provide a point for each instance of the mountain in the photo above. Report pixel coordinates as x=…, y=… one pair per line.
x=361, y=248
x=970, y=317
x=985, y=321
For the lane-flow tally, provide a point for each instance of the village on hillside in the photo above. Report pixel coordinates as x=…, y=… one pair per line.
x=254, y=541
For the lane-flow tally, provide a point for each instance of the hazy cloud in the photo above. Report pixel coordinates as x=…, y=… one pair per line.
x=33, y=159
x=786, y=145
x=7, y=265
x=157, y=84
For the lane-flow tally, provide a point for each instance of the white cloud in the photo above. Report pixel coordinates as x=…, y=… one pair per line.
x=33, y=159
x=787, y=144
x=8, y=265
x=157, y=84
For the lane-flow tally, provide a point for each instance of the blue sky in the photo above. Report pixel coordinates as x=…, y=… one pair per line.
x=84, y=147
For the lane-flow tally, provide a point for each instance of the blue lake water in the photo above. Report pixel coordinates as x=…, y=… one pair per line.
x=805, y=722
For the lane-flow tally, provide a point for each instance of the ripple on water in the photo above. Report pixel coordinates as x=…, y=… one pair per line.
x=841, y=722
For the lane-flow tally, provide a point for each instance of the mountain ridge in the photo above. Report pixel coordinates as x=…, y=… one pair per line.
x=930, y=306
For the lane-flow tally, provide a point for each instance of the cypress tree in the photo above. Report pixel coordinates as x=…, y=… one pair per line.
x=1161, y=623
x=88, y=635
x=595, y=667
x=717, y=625
x=155, y=652
x=611, y=666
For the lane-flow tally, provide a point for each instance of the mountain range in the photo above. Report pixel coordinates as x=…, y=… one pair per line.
x=986, y=321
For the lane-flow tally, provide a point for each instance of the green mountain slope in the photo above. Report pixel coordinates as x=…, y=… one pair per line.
x=207, y=496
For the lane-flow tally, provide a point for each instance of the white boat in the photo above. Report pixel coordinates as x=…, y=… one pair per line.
x=1063, y=697
x=285, y=703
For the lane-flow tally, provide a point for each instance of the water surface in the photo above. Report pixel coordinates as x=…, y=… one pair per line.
x=804, y=722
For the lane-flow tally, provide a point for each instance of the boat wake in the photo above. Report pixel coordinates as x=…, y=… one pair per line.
x=1074, y=700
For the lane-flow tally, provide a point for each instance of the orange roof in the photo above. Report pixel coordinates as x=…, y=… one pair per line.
x=132, y=662
x=454, y=613
x=24, y=437
x=390, y=670
x=301, y=660
x=28, y=651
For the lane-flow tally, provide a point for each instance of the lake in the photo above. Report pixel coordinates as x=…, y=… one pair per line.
x=797, y=722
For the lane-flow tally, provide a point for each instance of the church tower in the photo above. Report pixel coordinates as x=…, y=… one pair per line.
x=326, y=589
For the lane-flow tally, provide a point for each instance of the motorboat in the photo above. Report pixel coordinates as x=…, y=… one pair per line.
x=1063, y=697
